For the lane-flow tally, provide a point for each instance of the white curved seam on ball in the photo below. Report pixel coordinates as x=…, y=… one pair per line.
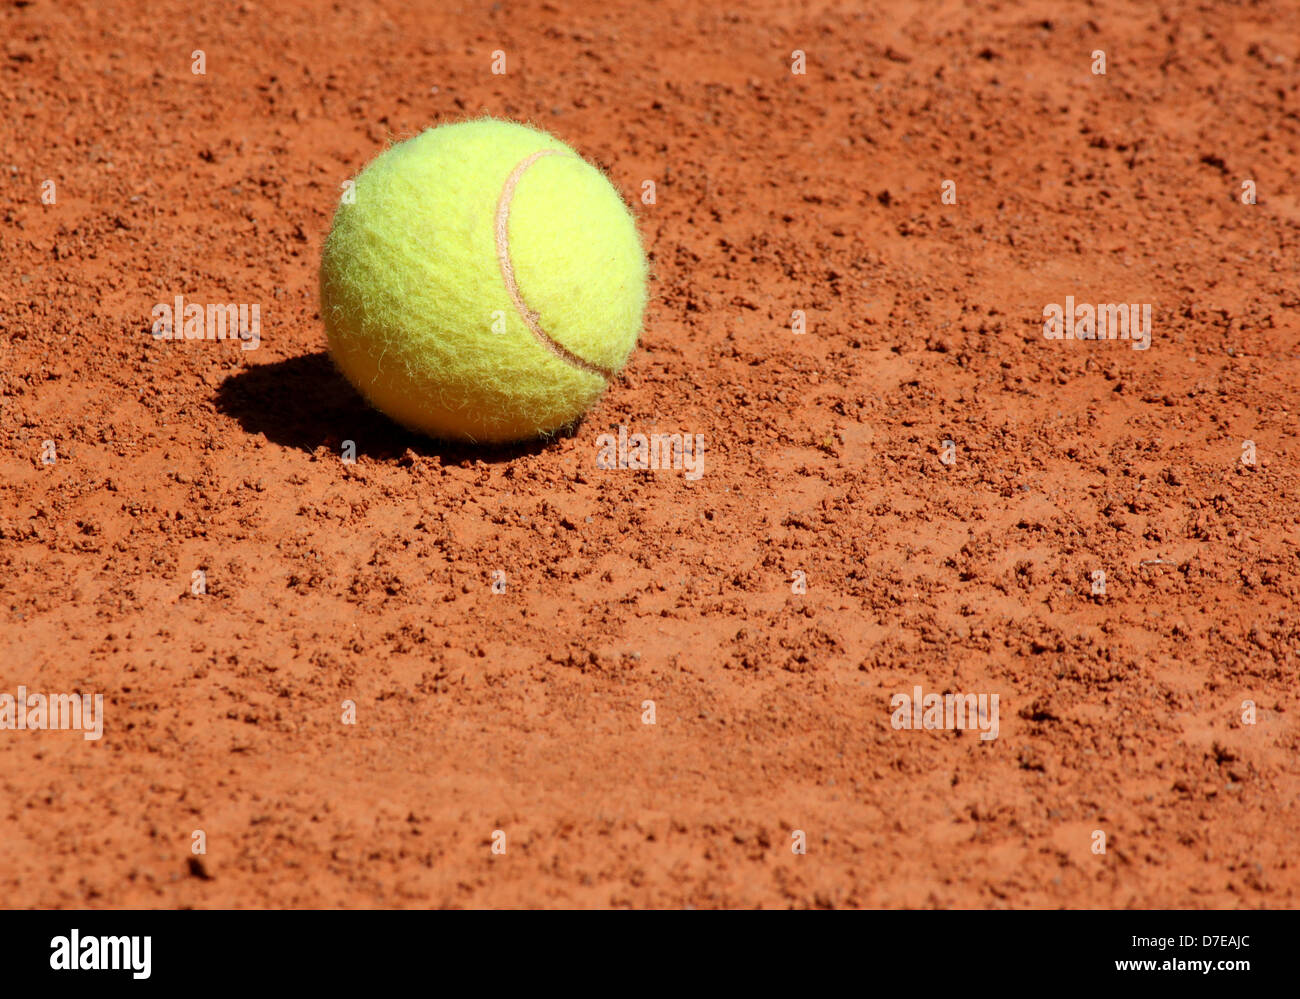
x=531, y=319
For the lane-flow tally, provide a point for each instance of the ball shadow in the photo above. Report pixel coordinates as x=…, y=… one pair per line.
x=305, y=403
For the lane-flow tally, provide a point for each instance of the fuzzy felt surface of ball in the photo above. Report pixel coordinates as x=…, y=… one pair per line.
x=483, y=283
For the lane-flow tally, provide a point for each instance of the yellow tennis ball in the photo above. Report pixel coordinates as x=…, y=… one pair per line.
x=484, y=283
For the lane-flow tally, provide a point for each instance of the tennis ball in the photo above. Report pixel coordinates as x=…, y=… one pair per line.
x=485, y=284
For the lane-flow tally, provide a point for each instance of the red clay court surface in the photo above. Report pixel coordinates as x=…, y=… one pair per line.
x=1160, y=714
